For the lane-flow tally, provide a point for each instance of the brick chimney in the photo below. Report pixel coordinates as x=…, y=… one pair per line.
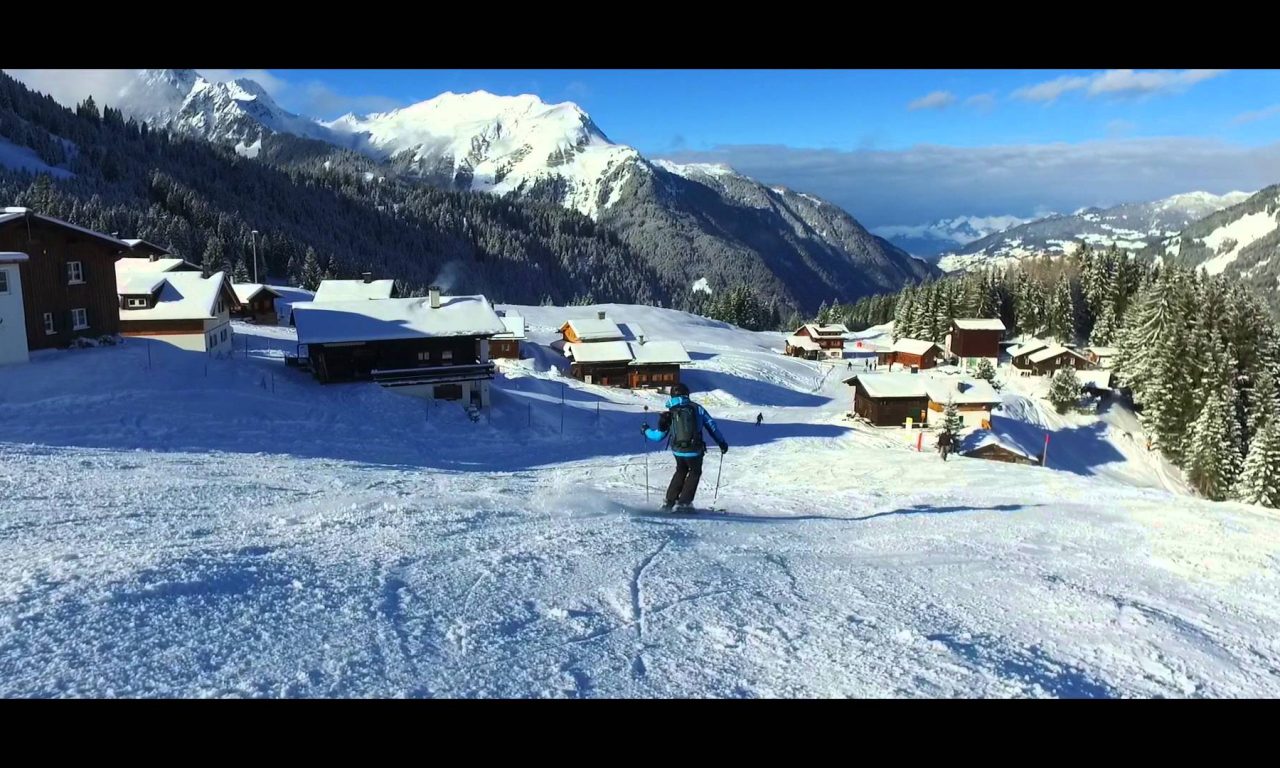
x=368, y=276
x=600, y=314
x=434, y=293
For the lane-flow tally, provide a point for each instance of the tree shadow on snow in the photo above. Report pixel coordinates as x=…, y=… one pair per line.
x=1079, y=450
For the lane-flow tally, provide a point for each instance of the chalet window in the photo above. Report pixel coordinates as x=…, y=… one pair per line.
x=424, y=357
x=75, y=273
x=446, y=355
x=48, y=323
x=137, y=303
x=4, y=281
x=79, y=318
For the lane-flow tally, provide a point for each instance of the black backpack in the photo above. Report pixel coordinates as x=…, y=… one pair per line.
x=686, y=437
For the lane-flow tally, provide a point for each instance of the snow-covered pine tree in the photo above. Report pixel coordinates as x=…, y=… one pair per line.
x=240, y=274
x=311, y=274
x=1064, y=389
x=1259, y=480
x=902, y=313
x=213, y=256
x=986, y=371
x=952, y=421
x=1212, y=452
x=1061, y=319
x=1168, y=396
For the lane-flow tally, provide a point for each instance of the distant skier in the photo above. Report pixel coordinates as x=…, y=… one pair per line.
x=759, y=419
x=945, y=441
x=682, y=423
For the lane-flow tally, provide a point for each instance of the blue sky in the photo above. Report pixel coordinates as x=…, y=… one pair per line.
x=890, y=146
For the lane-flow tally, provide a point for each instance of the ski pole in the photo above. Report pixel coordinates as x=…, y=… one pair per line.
x=719, y=469
x=646, y=467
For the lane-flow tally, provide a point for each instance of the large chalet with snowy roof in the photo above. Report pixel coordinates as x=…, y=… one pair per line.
x=602, y=353
x=890, y=399
x=184, y=309
x=59, y=283
x=814, y=341
x=437, y=346
x=255, y=302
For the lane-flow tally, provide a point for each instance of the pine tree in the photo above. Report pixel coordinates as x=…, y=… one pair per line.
x=240, y=274
x=1168, y=394
x=1259, y=480
x=986, y=372
x=1064, y=389
x=311, y=275
x=1061, y=318
x=1212, y=453
x=952, y=421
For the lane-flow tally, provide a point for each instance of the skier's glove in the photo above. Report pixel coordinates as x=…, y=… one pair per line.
x=644, y=427
x=724, y=449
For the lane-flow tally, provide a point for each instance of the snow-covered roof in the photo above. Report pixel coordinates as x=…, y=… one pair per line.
x=1103, y=351
x=352, y=290
x=131, y=266
x=982, y=438
x=829, y=330
x=979, y=324
x=139, y=283
x=246, y=291
x=514, y=325
x=332, y=322
x=13, y=213
x=913, y=346
x=962, y=391
x=600, y=352
x=9, y=257
x=1031, y=345
x=1051, y=351
x=891, y=385
x=183, y=296
x=146, y=244
x=804, y=342
x=595, y=329
x=659, y=353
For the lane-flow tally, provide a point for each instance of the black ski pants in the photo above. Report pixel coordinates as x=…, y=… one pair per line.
x=684, y=483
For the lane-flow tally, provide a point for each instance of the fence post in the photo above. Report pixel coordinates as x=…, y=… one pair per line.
x=149, y=341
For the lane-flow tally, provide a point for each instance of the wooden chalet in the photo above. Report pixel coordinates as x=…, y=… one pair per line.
x=655, y=364
x=255, y=302
x=67, y=281
x=351, y=290
x=435, y=347
x=506, y=345
x=607, y=363
x=972, y=339
x=989, y=446
x=911, y=353
x=814, y=341
x=184, y=309
x=1103, y=357
x=889, y=399
x=1047, y=361
x=1020, y=355
x=590, y=330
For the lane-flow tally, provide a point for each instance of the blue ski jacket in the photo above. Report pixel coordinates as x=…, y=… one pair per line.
x=704, y=422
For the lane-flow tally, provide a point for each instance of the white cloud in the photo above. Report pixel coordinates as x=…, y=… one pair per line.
x=70, y=86
x=1256, y=115
x=1117, y=83
x=319, y=100
x=935, y=100
x=931, y=182
x=981, y=101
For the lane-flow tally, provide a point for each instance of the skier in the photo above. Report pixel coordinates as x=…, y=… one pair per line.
x=945, y=441
x=759, y=419
x=682, y=423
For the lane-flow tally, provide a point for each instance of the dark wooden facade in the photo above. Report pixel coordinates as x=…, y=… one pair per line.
x=997, y=452
x=355, y=361
x=506, y=349
x=908, y=359
x=47, y=287
x=1064, y=359
x=261, y=308
x=975, y=343
x=607, y=374
x=641, y=376
x=889, y=411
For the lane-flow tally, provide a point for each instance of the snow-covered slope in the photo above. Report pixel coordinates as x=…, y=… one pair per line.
x=1131, y=225
x=1242, y=241
x=228, y=527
